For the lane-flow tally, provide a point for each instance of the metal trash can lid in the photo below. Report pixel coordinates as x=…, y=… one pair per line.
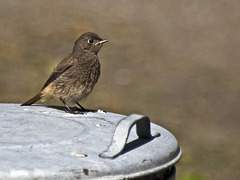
x=45, y=142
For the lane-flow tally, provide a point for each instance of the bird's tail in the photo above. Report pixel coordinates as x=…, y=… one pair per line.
x=32, y=100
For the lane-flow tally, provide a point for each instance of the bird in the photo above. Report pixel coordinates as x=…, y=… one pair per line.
x=73, y=79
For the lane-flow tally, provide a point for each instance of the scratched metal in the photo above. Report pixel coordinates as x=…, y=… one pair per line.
x=40, y=142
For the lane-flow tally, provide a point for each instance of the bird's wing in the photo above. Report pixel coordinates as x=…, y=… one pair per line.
x=62, y=67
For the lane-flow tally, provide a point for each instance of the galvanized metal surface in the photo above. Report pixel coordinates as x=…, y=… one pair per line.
x=46, y=143
x=122, y=131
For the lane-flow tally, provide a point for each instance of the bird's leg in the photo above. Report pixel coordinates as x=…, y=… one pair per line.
x=81, y=106
x=68, y=108
x=85, y=110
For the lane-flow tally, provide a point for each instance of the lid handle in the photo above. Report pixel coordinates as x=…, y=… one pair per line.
x=122, y=131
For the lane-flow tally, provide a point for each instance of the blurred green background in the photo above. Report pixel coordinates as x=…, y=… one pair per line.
x=174, y=61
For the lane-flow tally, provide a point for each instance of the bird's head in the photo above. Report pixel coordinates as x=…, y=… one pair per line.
x=89, y=42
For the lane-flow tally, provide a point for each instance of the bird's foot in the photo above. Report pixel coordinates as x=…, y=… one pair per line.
x=74, y=110
x=83, y=110
x=88, y=110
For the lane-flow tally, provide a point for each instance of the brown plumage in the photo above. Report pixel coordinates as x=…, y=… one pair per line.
x=75, y=76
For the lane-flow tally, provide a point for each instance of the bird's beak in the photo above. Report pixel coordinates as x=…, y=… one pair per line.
x=101, y=42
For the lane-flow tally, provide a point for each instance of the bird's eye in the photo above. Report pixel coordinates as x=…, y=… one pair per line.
x=90, y=41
